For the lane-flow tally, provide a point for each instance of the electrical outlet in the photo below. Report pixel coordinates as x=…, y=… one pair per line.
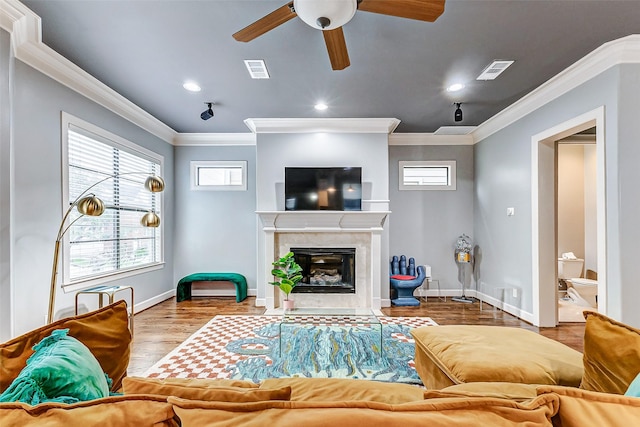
x=515, y=293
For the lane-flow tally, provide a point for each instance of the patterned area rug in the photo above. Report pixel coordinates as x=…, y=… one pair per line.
x=249, y=348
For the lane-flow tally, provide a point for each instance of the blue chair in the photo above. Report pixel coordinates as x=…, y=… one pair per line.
x=404, y=280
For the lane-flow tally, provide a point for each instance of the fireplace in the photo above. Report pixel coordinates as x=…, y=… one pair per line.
x=326, y=270
x=361, y=230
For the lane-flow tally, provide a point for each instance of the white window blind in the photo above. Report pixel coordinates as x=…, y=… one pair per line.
x=219, y=176
x=224, y=175
x=434, y=175
x=427, y=175
x=115, y=241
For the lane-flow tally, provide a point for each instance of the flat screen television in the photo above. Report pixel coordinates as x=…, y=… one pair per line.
x=332, y=189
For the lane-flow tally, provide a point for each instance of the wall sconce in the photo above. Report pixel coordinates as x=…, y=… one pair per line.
x=88, y=204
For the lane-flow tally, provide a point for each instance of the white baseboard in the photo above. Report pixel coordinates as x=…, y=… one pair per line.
x=138, y=307
x=494, y=302
x=507, y=308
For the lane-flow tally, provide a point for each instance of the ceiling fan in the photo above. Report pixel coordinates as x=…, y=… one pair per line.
x=330, y=15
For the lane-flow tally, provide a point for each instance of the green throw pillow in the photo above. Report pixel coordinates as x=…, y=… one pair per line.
x=62, y=369
x=634, y=388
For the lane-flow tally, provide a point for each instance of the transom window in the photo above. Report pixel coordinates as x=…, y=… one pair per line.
x=115, y=242
x=219, y=175
x=427, y=175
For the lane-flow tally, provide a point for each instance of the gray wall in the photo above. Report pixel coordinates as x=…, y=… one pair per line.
x=215, y=230
x=275, y=151
x=426, y=224
x=6, y=65
x=37, y=199
x=629, y=196
x=503, y=178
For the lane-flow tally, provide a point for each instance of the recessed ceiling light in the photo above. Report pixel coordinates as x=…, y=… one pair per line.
x=191, y=86
x=321, y=106
x=455, y=87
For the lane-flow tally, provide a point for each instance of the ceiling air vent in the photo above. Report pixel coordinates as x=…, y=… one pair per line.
x=257, y=69
x=494, y=70
x=454, y=130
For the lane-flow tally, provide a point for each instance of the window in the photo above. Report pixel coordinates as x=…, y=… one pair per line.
x=114, y=243
x=427, y=175
x=219, y=175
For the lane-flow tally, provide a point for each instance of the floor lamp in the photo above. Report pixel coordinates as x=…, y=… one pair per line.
x=88, y=204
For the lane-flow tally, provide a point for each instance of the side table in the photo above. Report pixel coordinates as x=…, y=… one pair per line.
x=110, y=292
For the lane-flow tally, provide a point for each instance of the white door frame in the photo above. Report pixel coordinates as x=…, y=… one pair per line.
x=544, y=219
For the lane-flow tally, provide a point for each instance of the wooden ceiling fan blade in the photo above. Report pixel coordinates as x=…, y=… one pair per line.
x=337, y=48
x=266, y=23
x=422, y=10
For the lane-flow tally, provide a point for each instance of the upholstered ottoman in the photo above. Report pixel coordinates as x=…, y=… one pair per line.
x=449, y=355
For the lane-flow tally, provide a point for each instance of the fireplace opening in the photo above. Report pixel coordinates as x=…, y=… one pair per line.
x=326, y=270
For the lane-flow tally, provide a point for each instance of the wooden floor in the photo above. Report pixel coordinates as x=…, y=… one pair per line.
x=162, y=327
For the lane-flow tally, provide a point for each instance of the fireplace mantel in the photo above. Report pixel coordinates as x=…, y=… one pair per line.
x=360, y=229
x=311, y=221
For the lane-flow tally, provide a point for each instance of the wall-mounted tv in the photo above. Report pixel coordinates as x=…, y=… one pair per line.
x=332, y=189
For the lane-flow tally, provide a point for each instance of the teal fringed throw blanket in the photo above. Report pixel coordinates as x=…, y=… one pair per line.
x=62, y=369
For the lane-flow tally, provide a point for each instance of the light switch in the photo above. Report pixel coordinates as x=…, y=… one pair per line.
x=511, y=211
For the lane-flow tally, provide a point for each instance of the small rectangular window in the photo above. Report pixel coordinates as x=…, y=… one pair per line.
x=427, y=175
x=219, y=175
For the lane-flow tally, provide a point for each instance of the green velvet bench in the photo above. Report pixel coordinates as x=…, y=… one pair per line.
x=184, y=285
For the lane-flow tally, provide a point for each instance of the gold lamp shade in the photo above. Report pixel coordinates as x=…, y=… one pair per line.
x=150, y=219
x=155, y=184
x=91, y=206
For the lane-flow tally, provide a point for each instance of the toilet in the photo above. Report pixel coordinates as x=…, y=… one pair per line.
x=587, y=289
x=582, y=291
x=570, y=267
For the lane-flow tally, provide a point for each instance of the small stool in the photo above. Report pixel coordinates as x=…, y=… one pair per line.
x=456, y=354
x=428, y=283
x=109, y=291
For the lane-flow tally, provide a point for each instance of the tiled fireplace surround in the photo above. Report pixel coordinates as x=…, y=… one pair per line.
x=360, y=230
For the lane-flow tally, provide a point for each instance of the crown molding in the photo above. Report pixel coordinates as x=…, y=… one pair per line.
x=329, y=125
x=25, y=29
x=429, y=139
x=625, y=50
x=214, y=139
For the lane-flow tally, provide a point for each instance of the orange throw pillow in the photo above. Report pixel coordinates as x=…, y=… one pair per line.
x=104, y=331
x=611, y=355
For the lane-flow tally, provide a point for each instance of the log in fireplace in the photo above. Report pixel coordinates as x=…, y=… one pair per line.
x=326, y=270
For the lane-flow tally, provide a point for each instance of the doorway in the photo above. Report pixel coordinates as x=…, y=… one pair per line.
x=544, y=214
x=576, y=225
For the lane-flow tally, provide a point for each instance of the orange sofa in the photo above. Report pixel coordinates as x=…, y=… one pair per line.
x=305, y=401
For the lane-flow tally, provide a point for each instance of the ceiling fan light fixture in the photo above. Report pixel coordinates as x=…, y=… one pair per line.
x=325, y=15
